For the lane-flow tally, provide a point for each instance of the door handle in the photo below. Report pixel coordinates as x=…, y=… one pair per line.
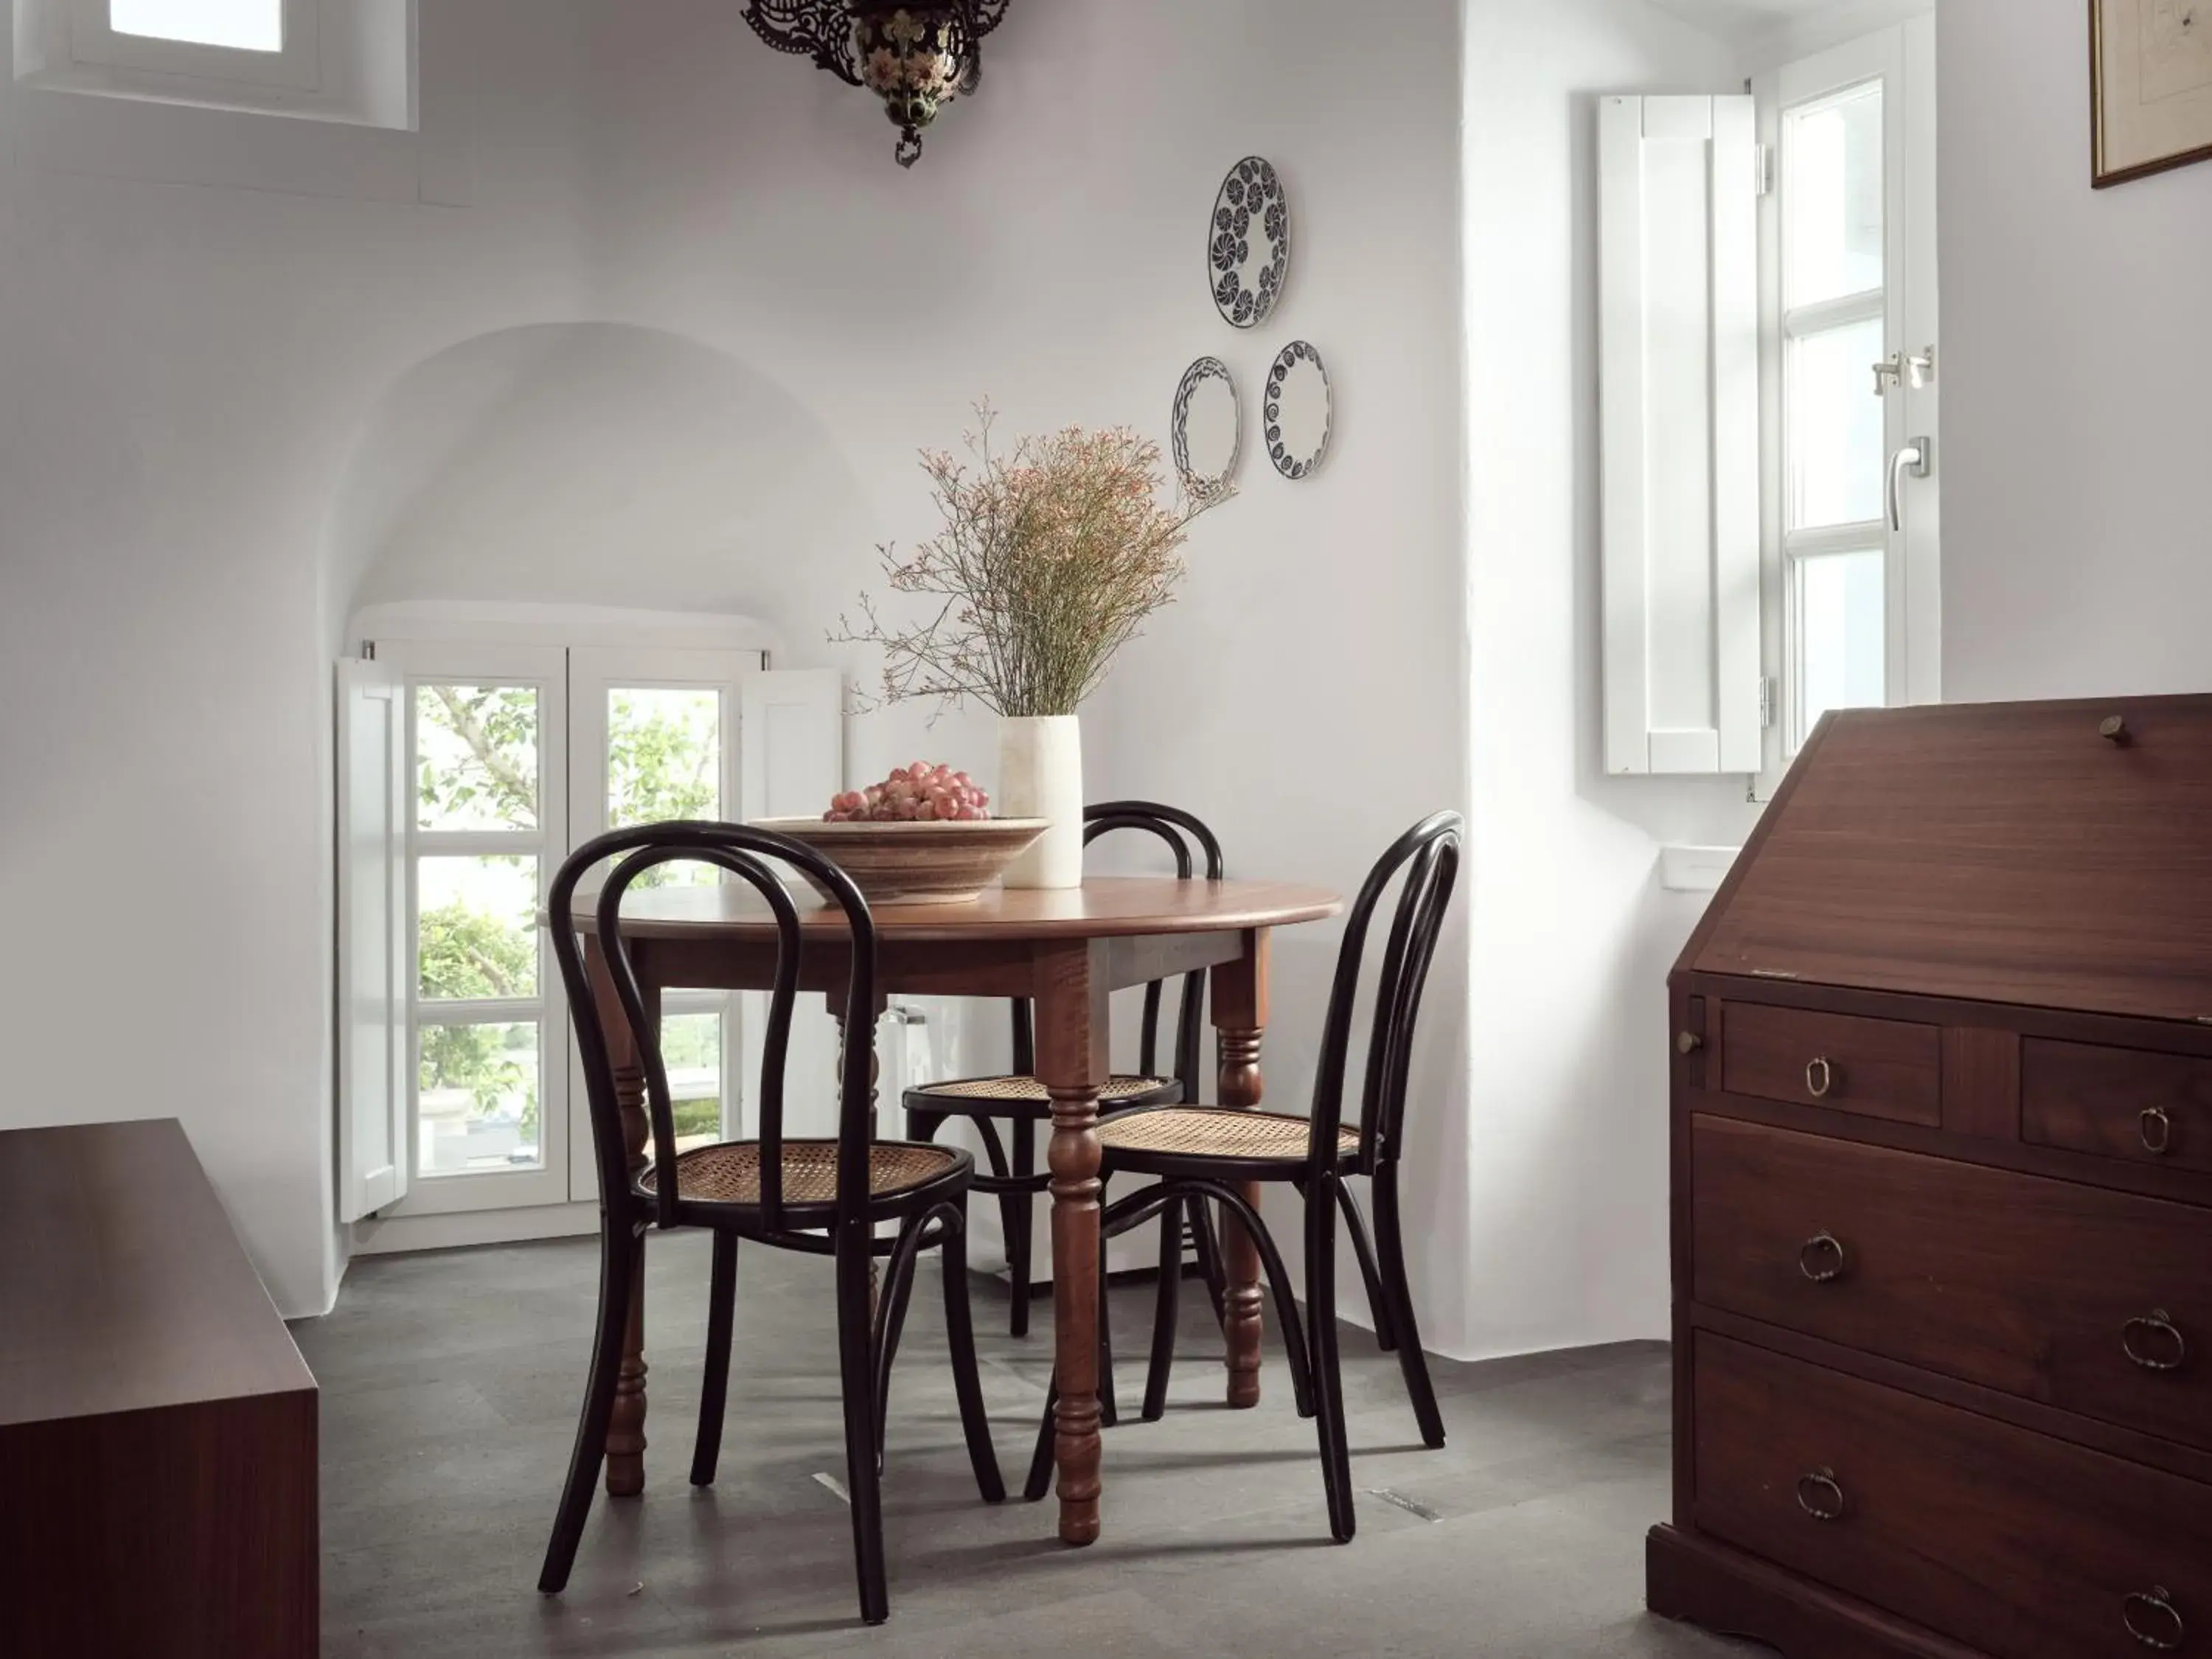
x=1917, y=456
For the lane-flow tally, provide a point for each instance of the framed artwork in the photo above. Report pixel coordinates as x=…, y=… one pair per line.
x=2150, y=85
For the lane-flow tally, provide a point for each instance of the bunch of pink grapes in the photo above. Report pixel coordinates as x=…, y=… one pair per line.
x=920, y=792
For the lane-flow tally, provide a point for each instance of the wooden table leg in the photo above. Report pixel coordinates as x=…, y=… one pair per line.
x=626, y=1422
x=875, y=1109
x=1240, y=1017
x=1071, y=1064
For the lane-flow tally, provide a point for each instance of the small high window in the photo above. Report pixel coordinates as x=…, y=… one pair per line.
x=336, y=60
x=239, y=25
x=259, y=43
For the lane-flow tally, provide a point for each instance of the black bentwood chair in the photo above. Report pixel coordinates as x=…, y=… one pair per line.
x=1200, y=1152
x=822, y=1197
x=1021, y=1100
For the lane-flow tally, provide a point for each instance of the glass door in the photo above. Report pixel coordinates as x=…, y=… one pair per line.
x=654, y=737
x=486, y=733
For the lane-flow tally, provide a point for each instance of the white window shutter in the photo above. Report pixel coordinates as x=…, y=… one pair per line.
x=791, y=759
x=374, y=1154
x=1679, y=368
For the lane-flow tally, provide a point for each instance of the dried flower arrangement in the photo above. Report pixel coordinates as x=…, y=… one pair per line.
x=1050, y=561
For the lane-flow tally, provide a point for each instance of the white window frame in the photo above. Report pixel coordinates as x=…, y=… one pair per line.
x=595, y=671
x=296, y=64
x=1902, y=58
x=348, y=62
x=783, y=752
x=545, y=668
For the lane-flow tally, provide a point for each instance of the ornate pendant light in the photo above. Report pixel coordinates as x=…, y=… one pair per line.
x=917, y=58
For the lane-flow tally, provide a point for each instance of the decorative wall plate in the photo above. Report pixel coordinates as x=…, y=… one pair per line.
x=1298, y=411
x=1248, y=243
x=1207, y=434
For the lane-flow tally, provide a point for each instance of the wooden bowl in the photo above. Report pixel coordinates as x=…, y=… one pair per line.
x=917, y=863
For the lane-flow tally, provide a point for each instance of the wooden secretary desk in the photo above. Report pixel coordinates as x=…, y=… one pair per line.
x=1942, y=1196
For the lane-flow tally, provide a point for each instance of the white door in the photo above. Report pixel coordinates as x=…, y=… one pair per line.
x=487, y=747
x=1852, y=578
x=655, y=736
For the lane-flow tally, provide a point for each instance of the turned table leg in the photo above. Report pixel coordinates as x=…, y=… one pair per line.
x=1240, y=1017
x=626, y=1422
x=1071, y=1062
x=875, y=1109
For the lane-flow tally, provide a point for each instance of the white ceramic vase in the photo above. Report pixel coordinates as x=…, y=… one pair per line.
x=1041, y=776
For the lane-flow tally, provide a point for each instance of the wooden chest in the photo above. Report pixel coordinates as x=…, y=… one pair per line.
x=1942, y=1196
x=158, y=1475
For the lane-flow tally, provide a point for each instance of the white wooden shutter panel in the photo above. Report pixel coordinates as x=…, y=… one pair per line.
x=790, y=760
x=791, y=754
x=373, y=1155
x=1678, y=192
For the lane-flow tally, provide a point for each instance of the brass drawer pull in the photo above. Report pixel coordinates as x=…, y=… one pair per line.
x=1819, y=1077
x=2157, y=1130
x=2152, y=1620
x=2162, y=1333
x=1820, y=1497
x=1820, y=1258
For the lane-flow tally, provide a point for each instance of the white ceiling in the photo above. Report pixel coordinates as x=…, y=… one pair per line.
x=1767, y=30
x=1736, y=18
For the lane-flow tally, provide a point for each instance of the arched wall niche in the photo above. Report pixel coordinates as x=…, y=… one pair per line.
x=600, y=465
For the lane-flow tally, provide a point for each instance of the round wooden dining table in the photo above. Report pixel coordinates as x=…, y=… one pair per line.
x=1067, y=951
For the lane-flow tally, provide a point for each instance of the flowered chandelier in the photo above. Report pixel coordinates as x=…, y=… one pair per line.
x=917, y=58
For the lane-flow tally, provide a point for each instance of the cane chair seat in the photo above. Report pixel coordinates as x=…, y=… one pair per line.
x=1024, y=1097
x=1183, y=1132
x=729, y=1172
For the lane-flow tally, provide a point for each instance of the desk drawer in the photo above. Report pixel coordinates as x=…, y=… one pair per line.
x=2018, y=1546
x=2096, y=1301
x=2116, y=1102
x=1887, y=1068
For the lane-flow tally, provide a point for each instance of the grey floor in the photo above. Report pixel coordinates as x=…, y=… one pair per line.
x=450, y=1387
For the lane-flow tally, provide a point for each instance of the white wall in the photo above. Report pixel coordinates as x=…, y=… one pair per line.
x=2077, y=552
x=1572, y=936
x=197, y=310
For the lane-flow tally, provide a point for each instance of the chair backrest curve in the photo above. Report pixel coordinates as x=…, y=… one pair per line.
x=1428, y=854
x=748, y=855
x=1177, y=829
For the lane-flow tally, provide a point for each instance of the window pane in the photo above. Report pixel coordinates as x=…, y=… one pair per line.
x=1831, y=201
x=477, y=1104
x=1835, y=438
x=664, y=761
x=476, y=932
x=476, y=756
x=664, y=756
x=691, y=1050
x=1841, y=626
x=244, y=25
